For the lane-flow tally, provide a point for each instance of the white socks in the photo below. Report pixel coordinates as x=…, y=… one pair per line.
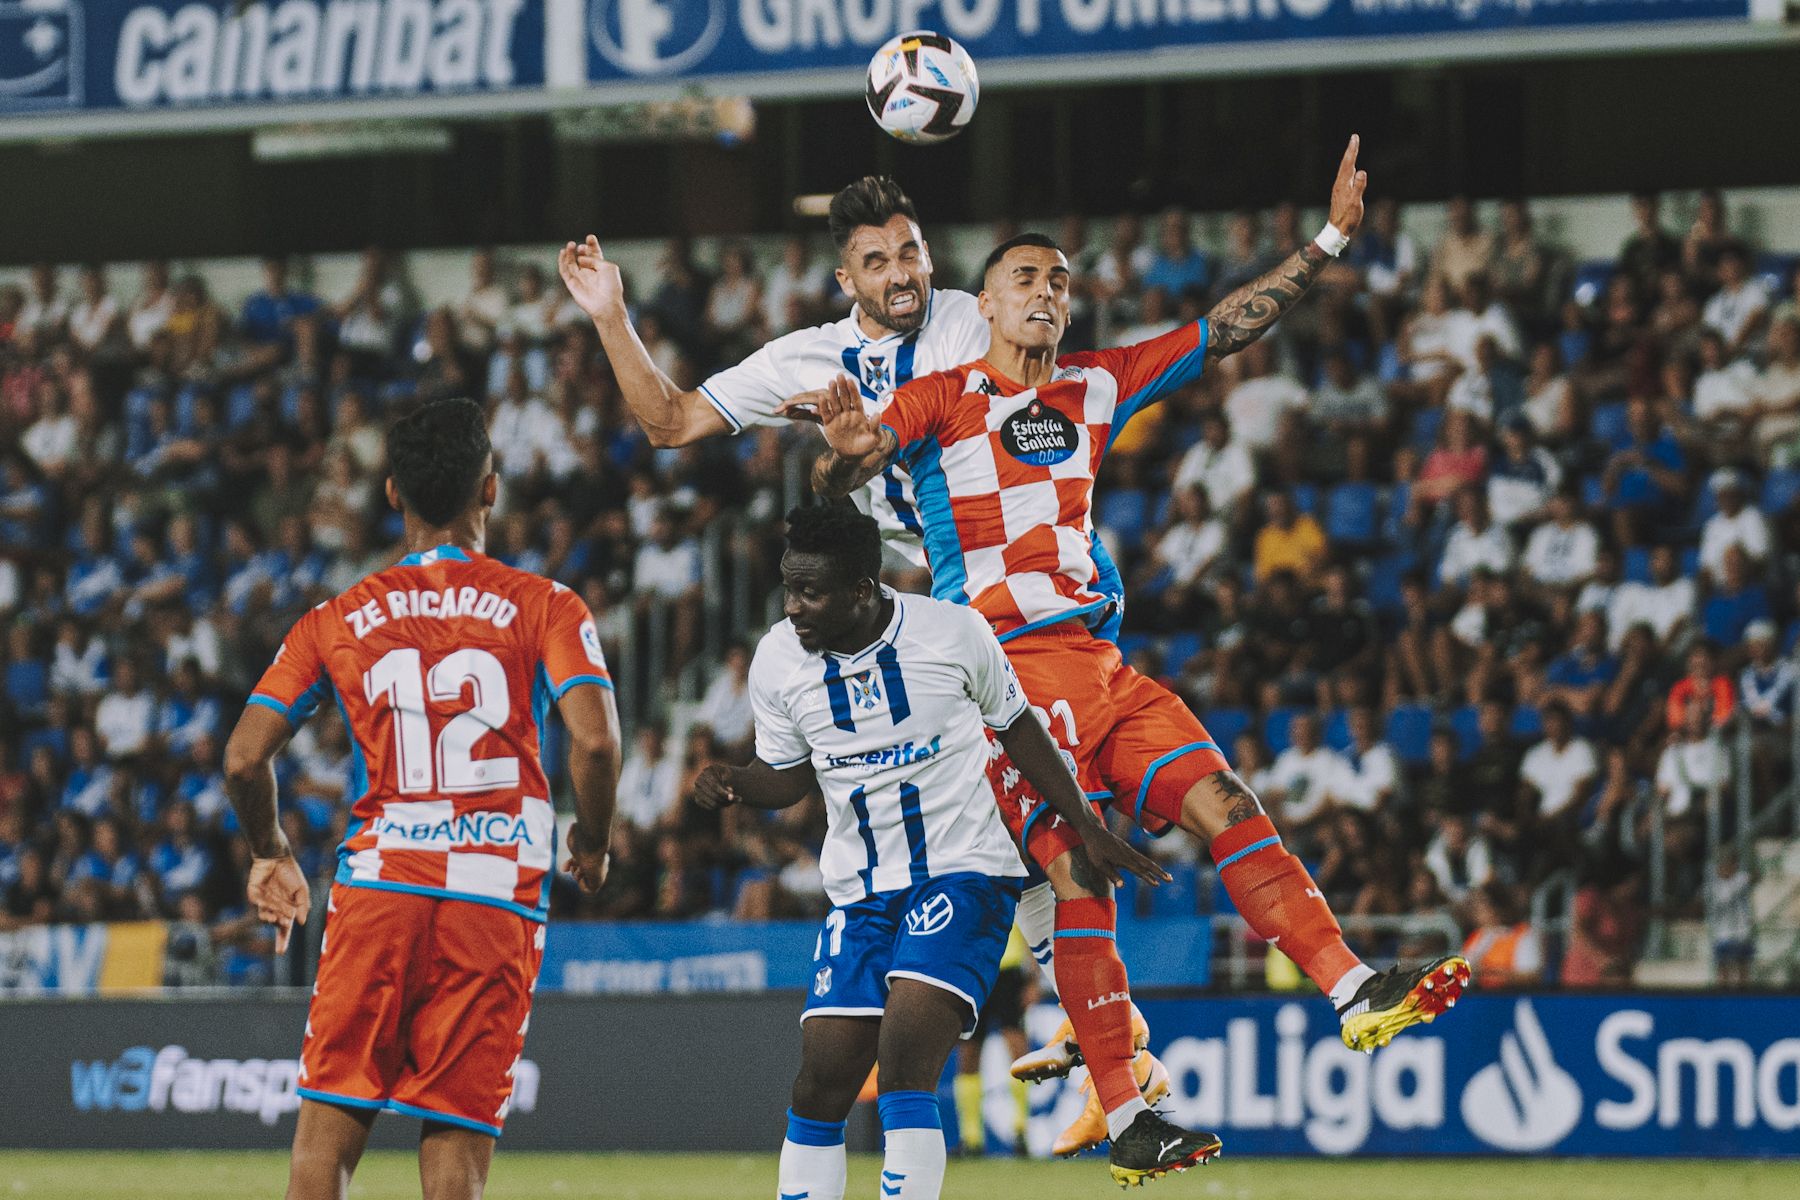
x=1036, y=919
x=1345, y=989
x=1120, y=1118
x=812, y=1160
x=914, y=1165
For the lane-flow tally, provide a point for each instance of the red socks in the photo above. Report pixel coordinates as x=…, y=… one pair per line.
x=1281, y=902
x=1091, y=982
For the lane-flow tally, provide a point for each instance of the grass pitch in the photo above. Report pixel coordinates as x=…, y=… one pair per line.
x=391, y=1175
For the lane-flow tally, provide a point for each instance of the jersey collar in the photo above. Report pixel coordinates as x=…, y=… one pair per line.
x=444, y=553
x=863, y=339
x=889, y=636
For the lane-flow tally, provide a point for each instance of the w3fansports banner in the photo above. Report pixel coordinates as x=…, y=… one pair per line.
x=1545, y=1074
x=207, y=59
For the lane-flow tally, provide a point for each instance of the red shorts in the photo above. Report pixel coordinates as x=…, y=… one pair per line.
x=420, y=1007
x=1135, y=744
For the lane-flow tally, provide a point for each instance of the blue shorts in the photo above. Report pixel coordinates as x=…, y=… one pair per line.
x=949, y=931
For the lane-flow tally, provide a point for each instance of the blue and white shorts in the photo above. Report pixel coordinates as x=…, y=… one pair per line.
x=949, y=931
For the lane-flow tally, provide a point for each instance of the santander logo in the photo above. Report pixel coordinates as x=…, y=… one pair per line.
x=1525, y=1101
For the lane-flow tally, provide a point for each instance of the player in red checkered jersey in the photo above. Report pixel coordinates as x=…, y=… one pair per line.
x=443, y=667
x=1003, y=454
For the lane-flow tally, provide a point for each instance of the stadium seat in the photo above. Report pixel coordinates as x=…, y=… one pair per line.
x=1409, y=733
x=1780, y=490
x=1593, y=491
x=1131, y=643
x=1180, y=648
x=1180, y=896
x=1306, y=498
x=1637, y=564
x=1352, y=514
x=1608, y=425
x=1465, y=722
x=1425, y=425
x=1126, y=512
x=1690, y=560
x=1776, y=272
x=1389, y=368
x=1382, y=588
x=1220, y=896
x=1591, y=279
x=1226, y=725
x=1337, y=729
x=240, y=406
x=1527, y=722
x=1278, y=729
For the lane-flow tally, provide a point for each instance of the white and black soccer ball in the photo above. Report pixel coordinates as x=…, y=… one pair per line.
x=922, y=87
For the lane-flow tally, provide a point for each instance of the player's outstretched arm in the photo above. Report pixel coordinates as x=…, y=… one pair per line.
x=859, y=446
x=592, y=718
x=1028, y=743
x=277, y=887
x=670, y=416
x=1249, y=312
x=758, y=785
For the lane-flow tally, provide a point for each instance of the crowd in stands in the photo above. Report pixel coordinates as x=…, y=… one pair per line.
x=1467, y=563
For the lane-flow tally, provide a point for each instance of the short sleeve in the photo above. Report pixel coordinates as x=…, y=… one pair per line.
x=295, y=683
x=1150, y=370
x=571, y=650
x=969, y=333
x=778, y=740
x=992, y=684
x=917, y=411
x=749, y=393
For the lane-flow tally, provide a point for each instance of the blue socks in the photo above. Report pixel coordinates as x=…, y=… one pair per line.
x=913, y=1128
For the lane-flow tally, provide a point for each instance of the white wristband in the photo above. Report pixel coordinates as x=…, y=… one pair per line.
x=1331, y=240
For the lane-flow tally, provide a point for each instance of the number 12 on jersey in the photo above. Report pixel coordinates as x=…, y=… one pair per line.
x=400, y=680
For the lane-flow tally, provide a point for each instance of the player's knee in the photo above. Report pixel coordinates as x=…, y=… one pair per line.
x=1218, y=802
x=1073, y=876
x=824, y=1094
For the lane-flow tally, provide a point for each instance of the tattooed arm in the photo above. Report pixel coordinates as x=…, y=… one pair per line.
x=857, y=446
x=1247, y=313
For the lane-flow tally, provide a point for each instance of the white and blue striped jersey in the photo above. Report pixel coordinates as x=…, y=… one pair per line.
x=807, y=359
x=897, y=737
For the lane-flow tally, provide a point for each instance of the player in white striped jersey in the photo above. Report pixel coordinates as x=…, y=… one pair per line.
x=882, y=701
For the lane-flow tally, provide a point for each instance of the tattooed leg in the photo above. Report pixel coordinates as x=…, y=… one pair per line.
x=1217, y=803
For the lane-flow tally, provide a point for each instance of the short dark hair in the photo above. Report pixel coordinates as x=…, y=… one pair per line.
x=438, y=455
x=849, y=538
x=871, y=200
x=1013, y=243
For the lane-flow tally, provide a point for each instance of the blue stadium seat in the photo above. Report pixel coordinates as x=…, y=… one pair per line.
x=240, y=406
x=1608, y=424
x=1164, y=506
x=1780, y=489
x=1706, y=503
x=1425, y=425
x=1278, y=729
x=1382, y=588
x=1690, y=560
x=1180, y=648
x=1353, y=513
x=1131, y=643
x=1337, y=729
x=1126, y=512
x=1776, y=272
x=1465, y=722
x=1591, y=279
x=1409, y=733
x=1226, y=725
x=1221, y=896
x=1527, y=723
x=1389, y=368
x=1306, y=498
x=1593, y=491
x=1180, y=896
x=1637, y=564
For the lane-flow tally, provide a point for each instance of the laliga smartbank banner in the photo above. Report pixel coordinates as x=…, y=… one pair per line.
x=1614, y=1075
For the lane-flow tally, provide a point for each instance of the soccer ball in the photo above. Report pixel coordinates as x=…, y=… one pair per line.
x=922, y=87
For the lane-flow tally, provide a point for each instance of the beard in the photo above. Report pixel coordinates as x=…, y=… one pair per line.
x=881, y=309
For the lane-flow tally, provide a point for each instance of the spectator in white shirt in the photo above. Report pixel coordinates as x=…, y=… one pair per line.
x=649, y=780
x=1459, y=860
x=1738, y=308
x=725, y=709
x=1767, y=685
x=668, y=570
x=1737, y=523
x=1723, y=389
x=525, y=431
x=1665, y=604
x=1222, y=465
x=1370, y=773
x=96, y=317
x=1263, y=401
x=150, y=313
x=1475, y=541
x=1693, y=766
x=127, y=715
x=50, y=440
x=1523, y=477
x=46, y=310
x=794, y=291
x=1559, y=772
x=1776, y=390
x=1564, y=551
x=1301, y=778
x=483, y=309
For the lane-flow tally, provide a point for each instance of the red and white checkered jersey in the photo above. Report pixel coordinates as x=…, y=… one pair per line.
x=444, y=667
x=1004, y=475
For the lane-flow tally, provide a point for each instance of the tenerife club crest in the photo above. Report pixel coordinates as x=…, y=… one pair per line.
x=865, y=690
x=875, y=373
